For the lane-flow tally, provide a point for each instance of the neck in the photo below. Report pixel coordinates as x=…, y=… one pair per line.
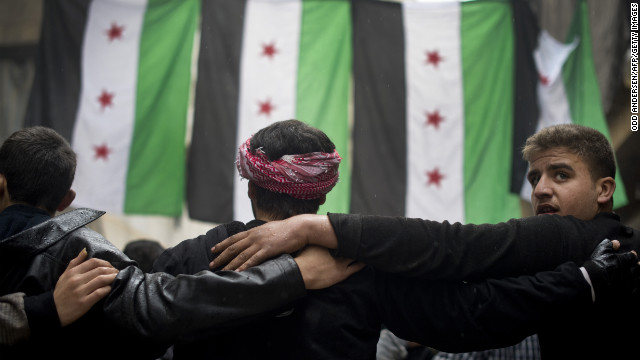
x=266, y=217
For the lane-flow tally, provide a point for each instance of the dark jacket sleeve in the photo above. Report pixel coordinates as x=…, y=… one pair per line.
x=166, y=309
x=188, y=307
x=444, y=251
x=42, y=314
x=495, y=313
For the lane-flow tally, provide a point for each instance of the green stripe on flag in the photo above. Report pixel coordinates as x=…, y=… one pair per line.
x=323, y=83
x=488, y=59
x=583, y=92
x=156, y=175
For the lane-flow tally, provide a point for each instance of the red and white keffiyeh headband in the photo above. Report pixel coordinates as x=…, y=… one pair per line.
x=307, y=176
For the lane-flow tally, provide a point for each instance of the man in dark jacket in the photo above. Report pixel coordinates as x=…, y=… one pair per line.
x=143, y=313
x=572, y=171
x=291, y=167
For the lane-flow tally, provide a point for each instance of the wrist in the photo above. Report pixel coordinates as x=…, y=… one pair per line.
x=318, y=231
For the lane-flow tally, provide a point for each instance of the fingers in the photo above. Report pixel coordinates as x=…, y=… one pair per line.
x=82, y=285
x=89, y=265
x=239, y=264
x=615, y=244
x=97, y=278
x=628, y=259
x=78, y=259
x=227, y=250
x=224, y=244
x=231, y=258
x=239, y=261
x=97, y=295
x=99, y=287
x=354, y=267
x=79, y=265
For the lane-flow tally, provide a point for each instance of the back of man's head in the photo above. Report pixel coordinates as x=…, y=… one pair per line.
x=144, y=252
x=287, y=139
x=588, y=143
x=38, y=166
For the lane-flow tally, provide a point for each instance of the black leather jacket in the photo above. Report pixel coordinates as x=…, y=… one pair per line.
x=143, y=312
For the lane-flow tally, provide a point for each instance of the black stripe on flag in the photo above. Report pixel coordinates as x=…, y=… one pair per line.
x=55, y=92
x=526, y=110
x=211, y=164
x=379, y=134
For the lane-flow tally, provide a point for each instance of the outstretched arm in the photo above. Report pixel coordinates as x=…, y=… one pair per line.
x=493, y=313
x=429, y=249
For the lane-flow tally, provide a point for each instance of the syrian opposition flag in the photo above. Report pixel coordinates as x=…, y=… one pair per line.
x=114, y=78
x=263, y=61
x=566, y=88
x=433, y=110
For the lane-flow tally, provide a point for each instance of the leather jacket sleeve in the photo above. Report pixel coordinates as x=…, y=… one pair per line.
x=186, y=307
x=444, y=251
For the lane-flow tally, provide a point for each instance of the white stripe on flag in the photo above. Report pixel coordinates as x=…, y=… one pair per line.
x=268, y=76
x=435, y=114
x=103, y=129
x=550, y=57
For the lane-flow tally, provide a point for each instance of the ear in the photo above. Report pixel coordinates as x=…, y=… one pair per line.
x=605, y=186
x=67, y=200
x=251, y=191
x=4, y=194
x=3, y=186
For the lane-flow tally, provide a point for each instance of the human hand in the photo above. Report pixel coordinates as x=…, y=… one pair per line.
x=611, y=272
x=82, y=285
x=320, y=270
x=254, y=246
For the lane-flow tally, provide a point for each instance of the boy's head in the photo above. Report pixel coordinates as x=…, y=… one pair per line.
x=571, y=171
x=37, y=167
x=291, y=166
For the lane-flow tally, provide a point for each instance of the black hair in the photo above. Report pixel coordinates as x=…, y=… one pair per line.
x=288, y=137
x=38, y=165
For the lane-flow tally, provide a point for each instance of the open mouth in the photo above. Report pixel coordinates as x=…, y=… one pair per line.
x=546, y=209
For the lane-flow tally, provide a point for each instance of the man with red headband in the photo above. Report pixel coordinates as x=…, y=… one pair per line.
x=291, y=167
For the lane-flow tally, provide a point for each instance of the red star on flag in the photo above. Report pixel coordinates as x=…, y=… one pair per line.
x=105, y=99
x=102, y=152
x=544, y=80
x=269, y=50
x=434, y=177
x=114, y=32
x=433, y=57
x=434, y=118
x=265, y=107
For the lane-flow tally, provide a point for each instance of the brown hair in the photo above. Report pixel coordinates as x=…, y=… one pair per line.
x=588, y=143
